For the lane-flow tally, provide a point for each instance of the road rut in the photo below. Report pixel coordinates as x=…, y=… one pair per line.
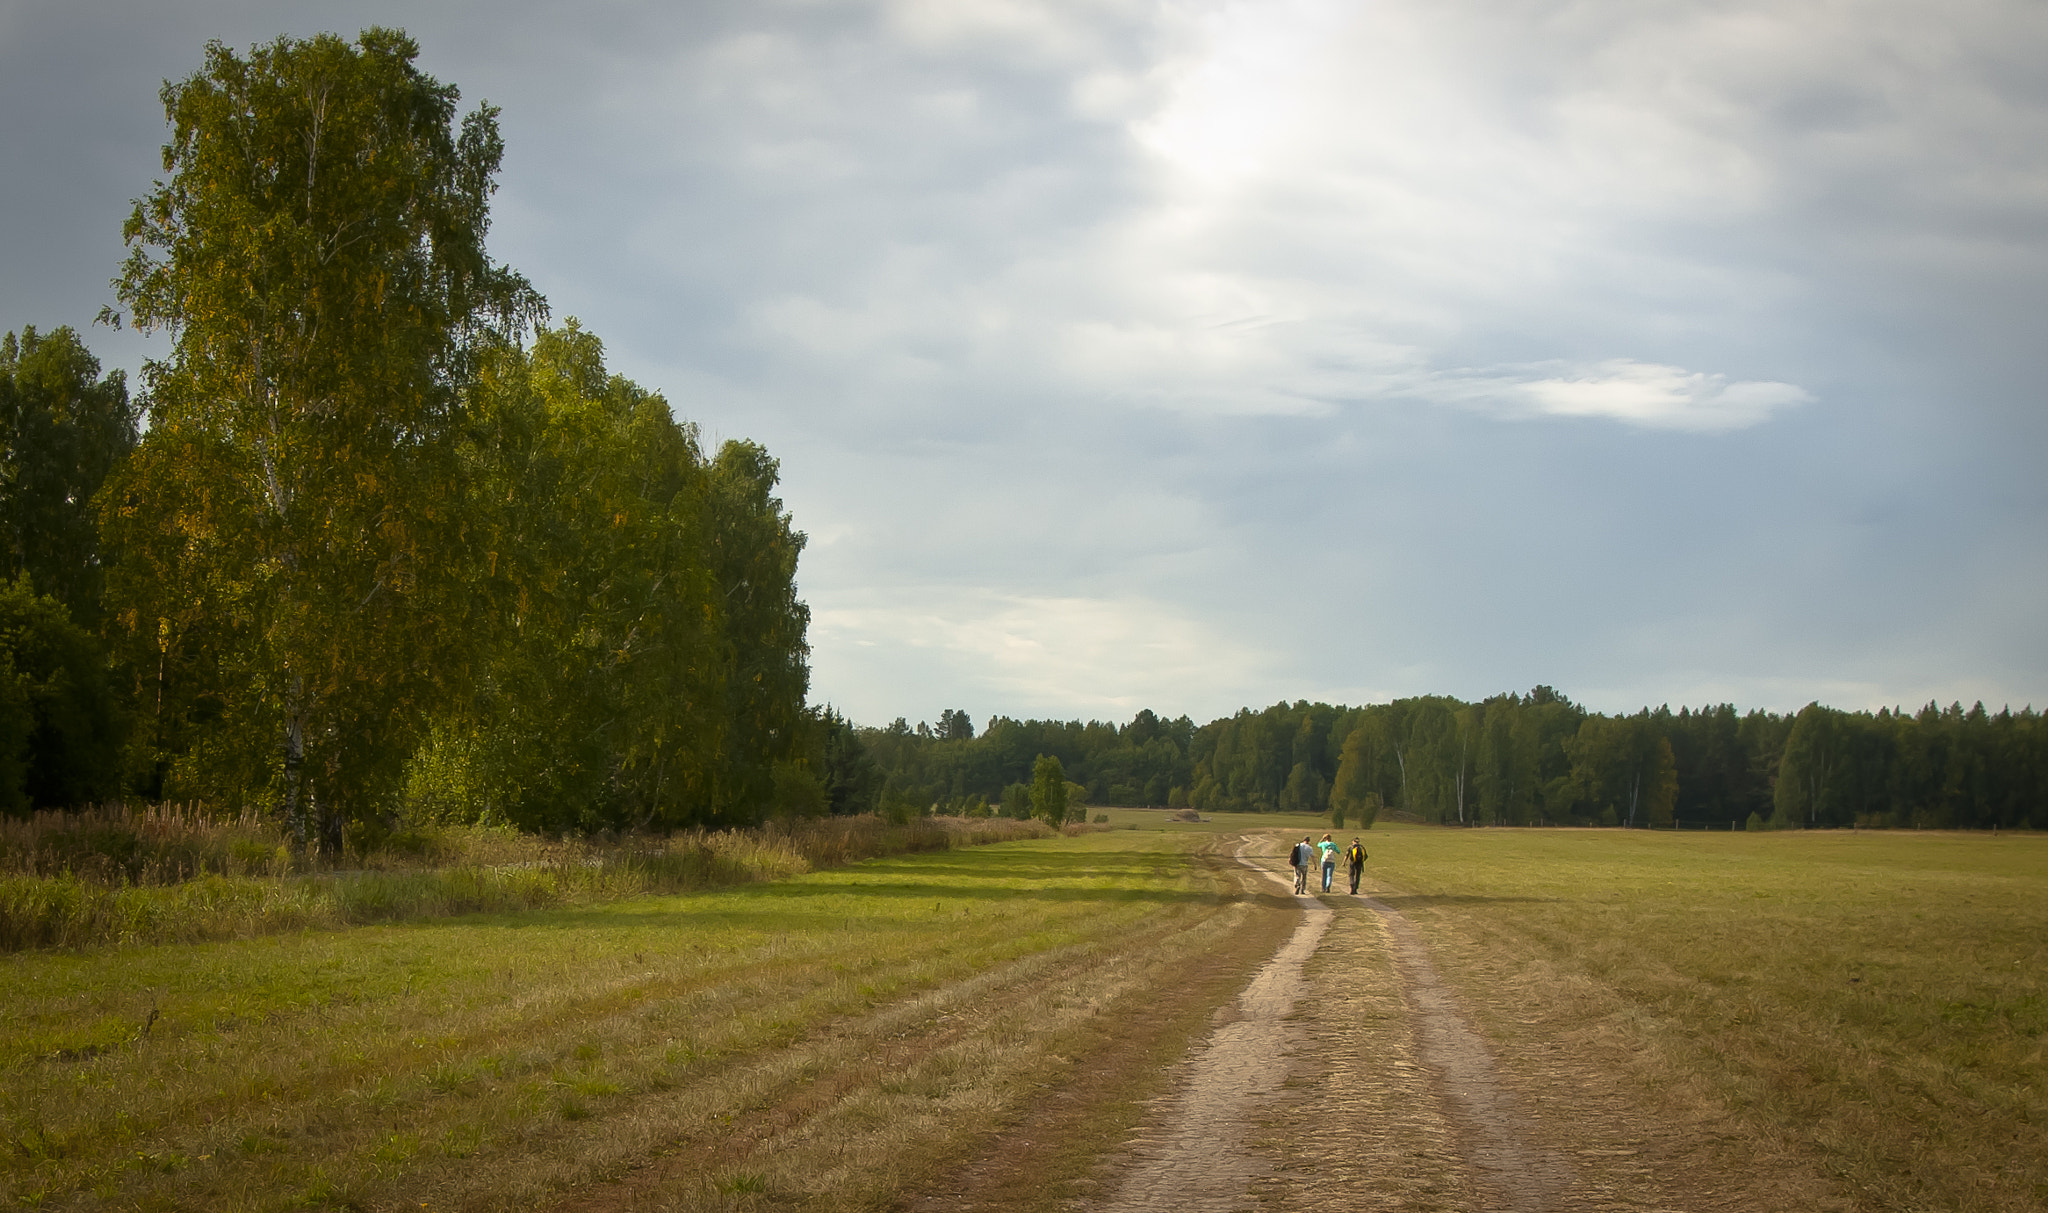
x=1346, y=1067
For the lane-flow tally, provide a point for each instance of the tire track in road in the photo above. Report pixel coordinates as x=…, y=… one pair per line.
x=1515, y=1175
x=1213, y=1150
x=1201, y=1158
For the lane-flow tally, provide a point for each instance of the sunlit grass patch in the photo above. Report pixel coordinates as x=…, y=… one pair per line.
x=56, y=891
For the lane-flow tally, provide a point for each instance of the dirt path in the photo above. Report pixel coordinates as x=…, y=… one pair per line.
x=1200, y=1160
x=1510, y=1169
x=1348, y=1069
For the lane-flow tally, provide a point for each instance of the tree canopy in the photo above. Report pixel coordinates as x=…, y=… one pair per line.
x=1534, y=758
x=388, y=545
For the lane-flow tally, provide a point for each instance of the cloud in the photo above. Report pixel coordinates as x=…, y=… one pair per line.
x=1023, y=653
x=1645, y=394
x=1208, y=351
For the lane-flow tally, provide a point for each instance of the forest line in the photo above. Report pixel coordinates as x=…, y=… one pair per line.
x=1509, y=760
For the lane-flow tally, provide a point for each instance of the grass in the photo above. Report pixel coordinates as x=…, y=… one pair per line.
x=1161, y=820
x=164, y=874
x=1865, y=1008
x=1873, y=1004
x=810, y=1041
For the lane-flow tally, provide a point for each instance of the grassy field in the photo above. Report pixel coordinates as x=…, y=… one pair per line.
x=1872, y=1007
x=176, y=874
x=820, y=1038
x=1861, y=1015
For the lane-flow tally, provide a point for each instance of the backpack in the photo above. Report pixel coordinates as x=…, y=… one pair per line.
x=1356, y=854
x=1295, y=858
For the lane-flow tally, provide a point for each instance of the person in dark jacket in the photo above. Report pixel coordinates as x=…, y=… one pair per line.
x=1355, y=855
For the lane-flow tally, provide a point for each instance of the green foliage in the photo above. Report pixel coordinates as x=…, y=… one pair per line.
x=63, y=429
x=372, y=554
x=61, y=726
x=1049, y=790
x=1528, y=759
x=1623, y=770
x=289, y=522
x=853, y=783
x=640, y=593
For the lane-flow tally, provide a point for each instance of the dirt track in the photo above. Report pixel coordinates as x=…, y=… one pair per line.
x=1350, y=1075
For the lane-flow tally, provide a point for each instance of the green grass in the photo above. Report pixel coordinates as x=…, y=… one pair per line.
x=1217, y=823
x=1881, y=999
x=485, y=1061
x=62, y=893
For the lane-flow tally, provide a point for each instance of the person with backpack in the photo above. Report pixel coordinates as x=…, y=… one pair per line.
x=1301, y=856
x=1355, y=854
x=1328, y=850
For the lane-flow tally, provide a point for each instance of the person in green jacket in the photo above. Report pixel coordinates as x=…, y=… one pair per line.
x=1329, y=853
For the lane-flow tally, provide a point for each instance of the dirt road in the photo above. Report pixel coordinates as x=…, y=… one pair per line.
x=1350, y=1075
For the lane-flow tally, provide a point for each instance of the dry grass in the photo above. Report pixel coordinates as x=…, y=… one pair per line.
x=1857, y=1020
x=819, y=1041
x=169, y=874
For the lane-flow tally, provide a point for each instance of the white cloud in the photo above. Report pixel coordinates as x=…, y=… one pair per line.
x=1027, y=653
x=1644, y=394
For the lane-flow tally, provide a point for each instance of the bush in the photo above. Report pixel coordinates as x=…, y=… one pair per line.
x=60, y=727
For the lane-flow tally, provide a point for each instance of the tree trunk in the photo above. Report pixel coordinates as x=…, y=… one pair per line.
x=294, y=759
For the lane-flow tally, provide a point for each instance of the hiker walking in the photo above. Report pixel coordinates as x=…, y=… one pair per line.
x=1329, y=853
x=1355, y=855
x=1301, y=856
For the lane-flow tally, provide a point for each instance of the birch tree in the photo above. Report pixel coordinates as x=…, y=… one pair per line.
x=316, y=253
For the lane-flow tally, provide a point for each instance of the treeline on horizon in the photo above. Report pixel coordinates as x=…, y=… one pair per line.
x=389, y=546
x=1510, y=760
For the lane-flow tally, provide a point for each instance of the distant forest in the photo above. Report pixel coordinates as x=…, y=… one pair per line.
x=1514, y=760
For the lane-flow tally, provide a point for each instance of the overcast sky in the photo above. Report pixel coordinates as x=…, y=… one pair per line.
x=1195, y=355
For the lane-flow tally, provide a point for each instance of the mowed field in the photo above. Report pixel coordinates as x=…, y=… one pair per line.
x=826, y=1040
x=1850, y=1021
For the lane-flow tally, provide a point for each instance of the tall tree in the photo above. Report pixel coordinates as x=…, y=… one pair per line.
x=766, y=672
x=317, y=253
x=63, y=429
x=1807, y=772
x=1049, y=790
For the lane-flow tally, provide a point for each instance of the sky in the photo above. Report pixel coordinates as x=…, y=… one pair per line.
x=1208, y=354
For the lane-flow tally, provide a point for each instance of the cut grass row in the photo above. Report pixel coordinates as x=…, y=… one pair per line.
x=813, y=1042
x=1870, y=1006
